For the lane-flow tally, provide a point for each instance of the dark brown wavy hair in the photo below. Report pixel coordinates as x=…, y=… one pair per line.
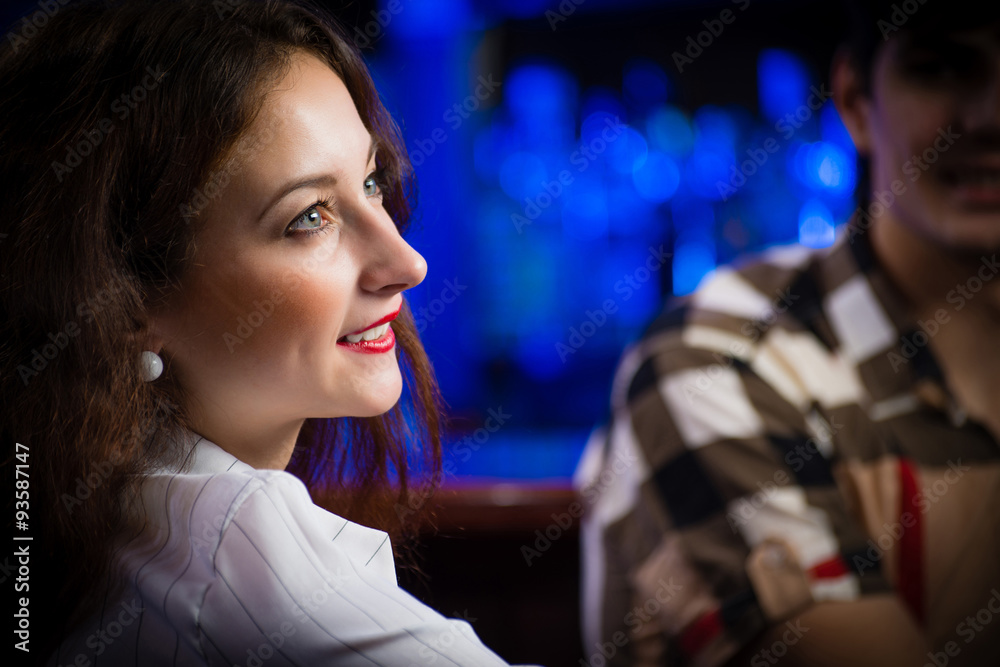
x=114, y=118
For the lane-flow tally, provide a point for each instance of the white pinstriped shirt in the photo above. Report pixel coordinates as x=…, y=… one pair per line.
x=237, y=566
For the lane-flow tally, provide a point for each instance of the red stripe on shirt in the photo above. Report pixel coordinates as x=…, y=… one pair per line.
x=911, y=544
x=829, y=569
x=699, y=633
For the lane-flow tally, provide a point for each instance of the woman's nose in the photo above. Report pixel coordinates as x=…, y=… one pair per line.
x=391, y=265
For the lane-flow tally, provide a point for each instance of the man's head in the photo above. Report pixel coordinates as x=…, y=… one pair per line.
x=918, y=87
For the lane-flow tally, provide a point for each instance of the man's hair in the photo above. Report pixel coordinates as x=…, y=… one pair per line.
x=872, y=23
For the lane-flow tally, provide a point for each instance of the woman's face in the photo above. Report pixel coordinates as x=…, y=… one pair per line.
x=257, y=333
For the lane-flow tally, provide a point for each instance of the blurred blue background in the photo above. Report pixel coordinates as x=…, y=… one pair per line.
x=562, y=151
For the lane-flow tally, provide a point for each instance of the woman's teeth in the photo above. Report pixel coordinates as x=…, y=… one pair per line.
x=369, y=334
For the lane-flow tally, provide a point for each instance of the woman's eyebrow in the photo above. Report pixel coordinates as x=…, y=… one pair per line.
x=323, y=180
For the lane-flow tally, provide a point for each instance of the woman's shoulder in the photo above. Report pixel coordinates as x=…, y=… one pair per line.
x=204, y=487
x=202, y=505
x=212, y=524
x=195, y=503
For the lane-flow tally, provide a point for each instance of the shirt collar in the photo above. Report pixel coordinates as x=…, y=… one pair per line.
x=901, y=362
x=197, y=455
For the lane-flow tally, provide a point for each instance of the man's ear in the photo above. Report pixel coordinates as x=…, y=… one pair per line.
x=853, y=103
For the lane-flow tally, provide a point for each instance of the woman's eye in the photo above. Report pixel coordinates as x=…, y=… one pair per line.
x=371, y=186
x=310, y=221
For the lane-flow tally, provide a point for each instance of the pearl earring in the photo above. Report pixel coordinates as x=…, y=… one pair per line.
x=151, y=364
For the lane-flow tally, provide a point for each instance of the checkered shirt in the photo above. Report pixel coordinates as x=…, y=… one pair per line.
x=782, y=437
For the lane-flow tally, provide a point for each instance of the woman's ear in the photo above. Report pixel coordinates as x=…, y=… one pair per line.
x=153, y=340
x=157, y=328
x=852, y=101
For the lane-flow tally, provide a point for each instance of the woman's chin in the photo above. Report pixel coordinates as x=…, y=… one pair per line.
x=376, y=400
x=378, y=409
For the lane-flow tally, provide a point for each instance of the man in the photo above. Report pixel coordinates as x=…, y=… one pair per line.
x=802, y=463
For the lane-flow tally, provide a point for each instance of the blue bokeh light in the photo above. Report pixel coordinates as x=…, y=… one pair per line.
x=669, y=130
x=539, y=93
x=522, y=174
x=585, y=214
x=627, y=152
x=823, y=167
x=708, y=168
x=782, y=82
x=599, y=127
x=657, y=180
x=816, y=224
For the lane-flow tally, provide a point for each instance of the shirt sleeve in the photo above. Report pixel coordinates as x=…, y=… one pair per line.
x=712, y=513
x=284, y=596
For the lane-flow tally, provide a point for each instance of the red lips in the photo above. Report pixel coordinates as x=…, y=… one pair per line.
x=388, y=318
x=382, y=344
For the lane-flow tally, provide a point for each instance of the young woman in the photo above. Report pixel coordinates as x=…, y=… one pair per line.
x=202, y=278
